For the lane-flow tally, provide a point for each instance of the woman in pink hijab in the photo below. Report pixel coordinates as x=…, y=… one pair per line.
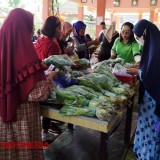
x=65, y=41
x=22, y=85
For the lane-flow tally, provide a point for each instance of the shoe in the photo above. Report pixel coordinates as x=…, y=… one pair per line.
x=48, y=137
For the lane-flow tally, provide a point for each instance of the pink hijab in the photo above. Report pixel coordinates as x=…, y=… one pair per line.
x=20, y=68
x=65, y=28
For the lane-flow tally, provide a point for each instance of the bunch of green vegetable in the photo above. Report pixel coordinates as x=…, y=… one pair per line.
x=104, y=81
x=75, y=74
x=84, y=62
x=58, y=61
x=74, y=111
x=102, y=69
x=112, y=62
x=71, y=98
x=88, y=82
x=82, y=90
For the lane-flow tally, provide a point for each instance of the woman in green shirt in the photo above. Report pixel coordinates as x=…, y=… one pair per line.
x=125, y=46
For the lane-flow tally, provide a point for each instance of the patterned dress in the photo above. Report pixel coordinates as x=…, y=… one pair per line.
x=147, y=139
x=26, y=128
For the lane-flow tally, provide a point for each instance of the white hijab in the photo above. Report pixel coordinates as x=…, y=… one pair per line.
x=109, y=32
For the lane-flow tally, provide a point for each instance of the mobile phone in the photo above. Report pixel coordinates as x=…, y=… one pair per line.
x=50, y=68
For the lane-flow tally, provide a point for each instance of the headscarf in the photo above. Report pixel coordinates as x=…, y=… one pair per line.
x=109, y=32
x=150, y=57
x=20, y=68
x=77, y=26
x=65, y=28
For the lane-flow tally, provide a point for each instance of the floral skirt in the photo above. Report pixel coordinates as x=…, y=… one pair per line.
x=147, y=139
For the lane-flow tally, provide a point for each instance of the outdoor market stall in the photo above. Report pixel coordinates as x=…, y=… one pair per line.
x=101, y=116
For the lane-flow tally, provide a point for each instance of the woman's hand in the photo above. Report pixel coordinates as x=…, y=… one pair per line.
x=113, y=55
x=68, y=50
x=52, y=75
x=44, y=65
x=96, y=42
x=132, y=71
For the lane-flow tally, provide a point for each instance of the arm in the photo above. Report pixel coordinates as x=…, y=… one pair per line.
x=66, y=47
x=136, y=52
x=94, y=42
x=79, y=47
x=113, y=50
x=42, y=89
x=68, y=50
x=113, y=54
x=101, y=37
x=137, y=59
x=82, y=47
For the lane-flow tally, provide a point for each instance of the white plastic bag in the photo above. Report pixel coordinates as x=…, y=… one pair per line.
x=120, y=70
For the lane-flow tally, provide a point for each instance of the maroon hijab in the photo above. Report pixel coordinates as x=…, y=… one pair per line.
x=20, y=68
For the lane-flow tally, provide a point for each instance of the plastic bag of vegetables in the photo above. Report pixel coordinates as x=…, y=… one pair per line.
x=75, y=74
x=71, y=98
x=88, y=82
x=58, y=61
x=84, y=62
x=74, y=111
x=104, y=81
x=94, y=103
x=112, y=62
x=102, y=69
x=81, y=90
x=102, y=114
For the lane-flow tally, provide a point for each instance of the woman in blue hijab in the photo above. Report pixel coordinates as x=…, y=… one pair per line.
x=147, y=138
x=80, y=43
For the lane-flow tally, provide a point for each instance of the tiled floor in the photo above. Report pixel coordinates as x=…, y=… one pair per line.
x=84, y=144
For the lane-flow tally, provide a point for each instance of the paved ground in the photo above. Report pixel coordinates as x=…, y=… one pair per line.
x=84, y=144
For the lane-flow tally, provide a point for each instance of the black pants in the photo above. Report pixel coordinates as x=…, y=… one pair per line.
x=46, y=123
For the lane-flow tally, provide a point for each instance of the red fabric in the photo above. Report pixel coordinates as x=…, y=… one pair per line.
x=20, y=67
x=46, y=47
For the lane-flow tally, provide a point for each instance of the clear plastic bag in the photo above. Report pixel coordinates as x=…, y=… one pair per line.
x=120, y=70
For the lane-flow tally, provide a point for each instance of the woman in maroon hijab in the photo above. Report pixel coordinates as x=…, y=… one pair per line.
x=22, y=85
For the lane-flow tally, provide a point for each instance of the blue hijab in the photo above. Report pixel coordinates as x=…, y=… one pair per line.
x=150, y=57
x=77, y=26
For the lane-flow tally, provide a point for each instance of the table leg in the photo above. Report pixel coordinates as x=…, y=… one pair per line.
x=70, y=126
x=103, y=146
x=128, y=122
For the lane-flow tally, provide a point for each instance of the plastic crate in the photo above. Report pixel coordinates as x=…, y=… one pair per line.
x=125, y=78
